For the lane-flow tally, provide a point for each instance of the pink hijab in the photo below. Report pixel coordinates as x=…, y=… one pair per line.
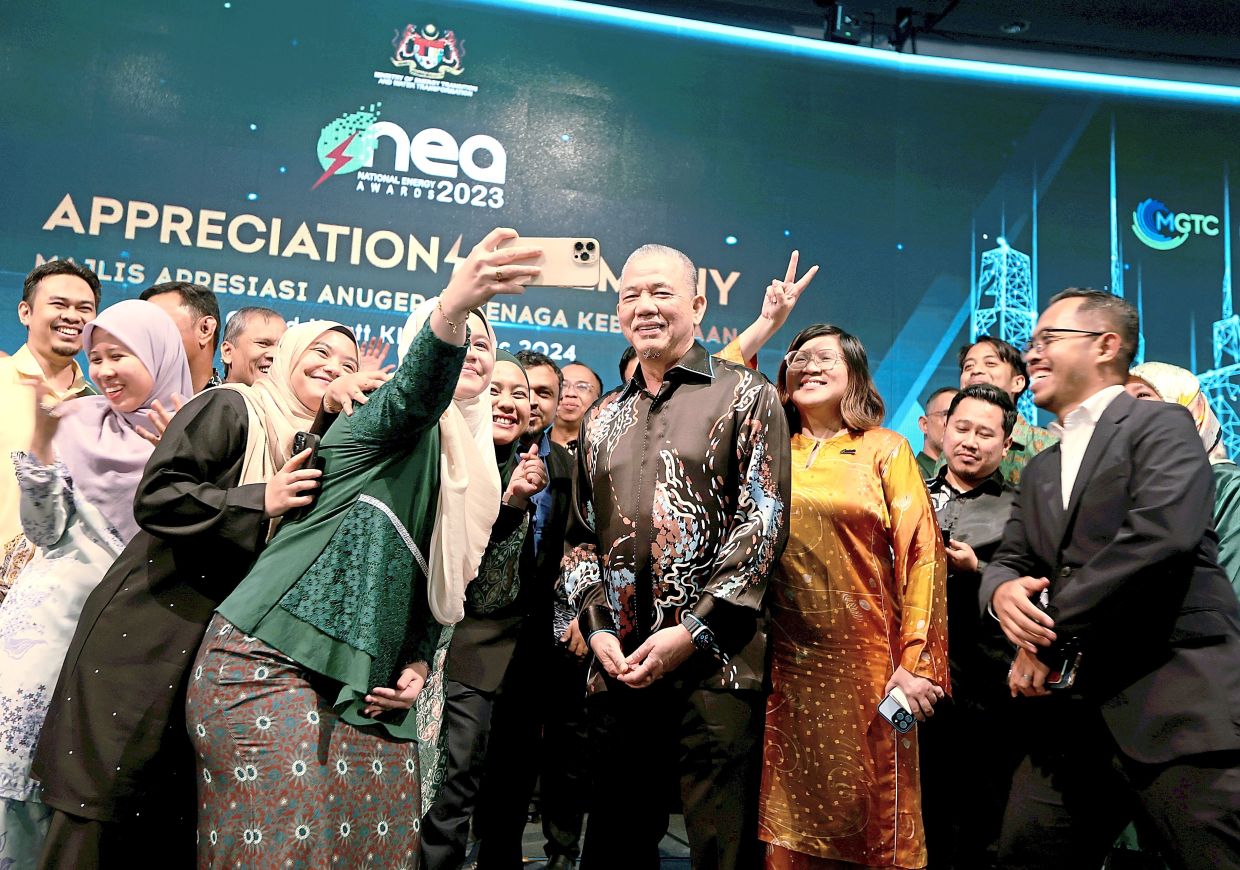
x=98, y=444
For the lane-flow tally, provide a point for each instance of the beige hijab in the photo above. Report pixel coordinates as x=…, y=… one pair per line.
x=276, y=414
x=469, y=489
x=1181, y=387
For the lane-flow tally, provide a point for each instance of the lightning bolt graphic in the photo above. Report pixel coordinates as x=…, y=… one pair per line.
x=339, y=158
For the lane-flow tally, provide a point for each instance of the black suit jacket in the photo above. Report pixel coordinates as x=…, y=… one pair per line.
x=1134, y=579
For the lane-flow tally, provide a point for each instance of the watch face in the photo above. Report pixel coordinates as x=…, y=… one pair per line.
x=704, y=640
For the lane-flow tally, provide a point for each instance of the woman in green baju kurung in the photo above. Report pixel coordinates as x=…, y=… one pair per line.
x=301, y=701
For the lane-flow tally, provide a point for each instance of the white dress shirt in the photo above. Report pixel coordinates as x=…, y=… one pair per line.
x=1074, y=434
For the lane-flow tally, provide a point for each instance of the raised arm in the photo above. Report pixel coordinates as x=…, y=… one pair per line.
x=777, y=303
x=422, y=386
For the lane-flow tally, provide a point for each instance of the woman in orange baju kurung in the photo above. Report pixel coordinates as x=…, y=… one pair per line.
x=858, y=606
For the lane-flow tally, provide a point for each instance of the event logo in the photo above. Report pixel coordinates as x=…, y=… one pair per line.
x=424, y=165
x=427, y=53
x=1163, y=230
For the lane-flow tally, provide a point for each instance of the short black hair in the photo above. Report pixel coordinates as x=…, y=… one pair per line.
x=1119, y=314
x=630, y=354
x=592, y=372
x=60, y=267
x=940, y=391
x=992, y=395
x=195, y=297
x=532, y=359
x=1009, y=353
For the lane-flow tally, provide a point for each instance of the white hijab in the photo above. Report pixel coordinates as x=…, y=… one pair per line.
x=469, y=489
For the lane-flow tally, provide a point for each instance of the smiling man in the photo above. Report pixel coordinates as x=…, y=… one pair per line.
x=58, y=298
x=249, y=344
x=990, y=360
x=682, y=494
x=1112, y=530
x=962, y=803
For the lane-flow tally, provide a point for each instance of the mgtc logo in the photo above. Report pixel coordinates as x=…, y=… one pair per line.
x=427, y=52
x=1163, y=230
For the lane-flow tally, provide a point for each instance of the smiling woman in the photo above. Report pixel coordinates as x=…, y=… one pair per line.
x=77, y=483
x=206, y=502
x=858, y=610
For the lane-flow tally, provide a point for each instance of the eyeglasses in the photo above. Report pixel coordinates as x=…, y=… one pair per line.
x=1048, y=337
x=798, y=360
x=579, y=386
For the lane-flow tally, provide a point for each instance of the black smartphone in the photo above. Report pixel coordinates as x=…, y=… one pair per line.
x=1065, y=676
x=303, y=441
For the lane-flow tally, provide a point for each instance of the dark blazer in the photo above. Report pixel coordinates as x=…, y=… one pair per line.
x=483, y=646
x=1135, y=580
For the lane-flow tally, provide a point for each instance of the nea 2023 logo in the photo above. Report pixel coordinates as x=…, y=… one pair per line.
x=469, y=172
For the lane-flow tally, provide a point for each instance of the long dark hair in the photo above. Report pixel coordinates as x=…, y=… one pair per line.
x=862, y=407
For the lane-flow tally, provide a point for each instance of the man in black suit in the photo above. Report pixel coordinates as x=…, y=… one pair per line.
x=1112, y=533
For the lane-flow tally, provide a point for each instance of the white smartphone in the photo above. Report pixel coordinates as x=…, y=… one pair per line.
x=895, y=709
x=565, y=262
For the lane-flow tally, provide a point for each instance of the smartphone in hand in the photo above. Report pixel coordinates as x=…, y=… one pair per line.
x=303, y=441
x=895, y=709
x=565, y=262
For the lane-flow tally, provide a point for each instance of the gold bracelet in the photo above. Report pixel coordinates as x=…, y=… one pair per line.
x=455, y=327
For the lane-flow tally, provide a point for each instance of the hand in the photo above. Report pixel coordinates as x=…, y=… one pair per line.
x=960, y=556
x=922, y=694
x=351, y=389
x=46, y=420
x=285, y=489
x=530, y=475
x=1027, y=676
x=371, y=355
x=408, y=687
x=606, y=648
x=1024, y=624
x=160, y=418
x=781, y=296
x=576, y=643
x=662, y=653
x=487, y=271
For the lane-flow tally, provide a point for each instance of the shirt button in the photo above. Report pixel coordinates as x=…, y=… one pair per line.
x=1065, y=572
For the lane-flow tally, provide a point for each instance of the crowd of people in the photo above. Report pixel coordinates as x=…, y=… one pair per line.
x=323, y=611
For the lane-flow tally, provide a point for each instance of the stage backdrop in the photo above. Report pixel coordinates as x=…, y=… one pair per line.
x=335, y=160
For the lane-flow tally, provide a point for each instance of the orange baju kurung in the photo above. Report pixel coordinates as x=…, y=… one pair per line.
x=861, y=589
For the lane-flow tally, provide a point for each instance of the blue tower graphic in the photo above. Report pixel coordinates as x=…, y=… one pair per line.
x=1221, y=384
x=1005, y=296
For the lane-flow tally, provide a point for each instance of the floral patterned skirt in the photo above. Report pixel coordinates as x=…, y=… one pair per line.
x=283, y=782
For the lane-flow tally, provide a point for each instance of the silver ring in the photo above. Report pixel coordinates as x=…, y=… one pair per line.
x=1027, y=677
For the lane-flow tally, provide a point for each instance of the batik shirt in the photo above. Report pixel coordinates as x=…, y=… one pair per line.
x=682, y=514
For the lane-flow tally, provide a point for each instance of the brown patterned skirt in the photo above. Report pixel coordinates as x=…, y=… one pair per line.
x=282, y=781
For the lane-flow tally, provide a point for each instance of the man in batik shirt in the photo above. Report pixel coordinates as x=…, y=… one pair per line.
x=683, y=486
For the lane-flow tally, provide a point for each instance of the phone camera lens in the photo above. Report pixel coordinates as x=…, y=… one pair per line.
x=589, y=246
x=579, y=246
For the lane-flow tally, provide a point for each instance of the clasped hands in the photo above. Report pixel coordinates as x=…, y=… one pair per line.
x=1028, y=628
x=662, y=652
